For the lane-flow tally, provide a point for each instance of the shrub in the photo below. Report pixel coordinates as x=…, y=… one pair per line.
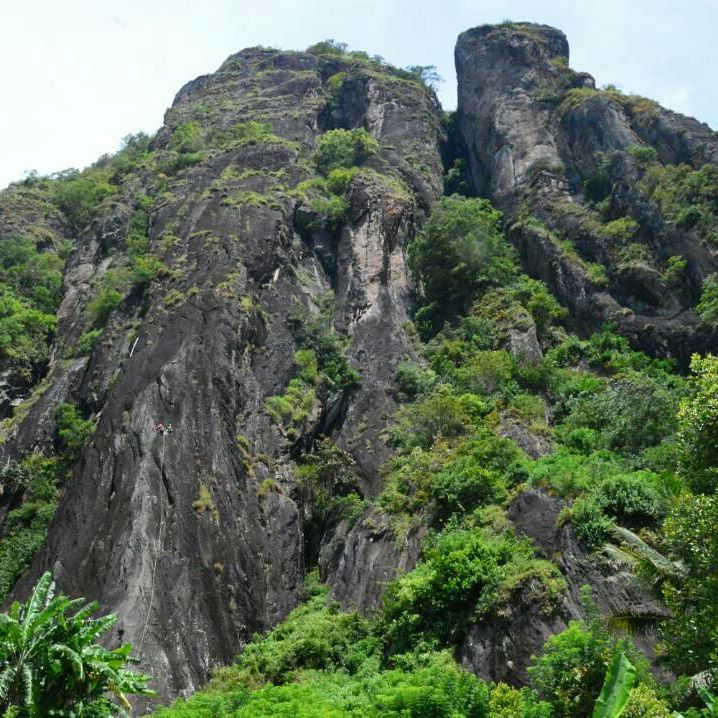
x=698, y=426
x=78, y=195
x=644, y=703
x=675, y=270
x=463, y=576
x=620, y=231
x=187, y=138
x=465, y=485
x=36, y=479
x=690, y=637
x=86, y=342
x=413, y=380
x=643, y=155
x=629, y=413
x=570, y=672
x=104, y=303
x=443, y=413
x=507, y=702
x=460, y=253
x=485, y=372
x=569, y=474
x=73, y=432
x=343, y=149
x=315, y=331
x=631, y=499
x=707, y=306
x=327, y=478
x=592, y=526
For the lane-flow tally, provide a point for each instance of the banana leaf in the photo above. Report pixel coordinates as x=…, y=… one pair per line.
x=620, y=677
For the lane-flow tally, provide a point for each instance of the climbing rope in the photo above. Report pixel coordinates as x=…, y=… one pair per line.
x=159, y=546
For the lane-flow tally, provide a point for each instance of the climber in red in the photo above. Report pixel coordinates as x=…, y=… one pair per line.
x=162, y=429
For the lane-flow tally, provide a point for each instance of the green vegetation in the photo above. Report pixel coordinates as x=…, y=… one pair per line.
x=616, y=690
x=343, y=148
x=707, y=306
x=321, y=365
x=320, y=662
x=577, y=663
x=460, y=254
x=30, y=293
x=328, y=482
x=33, y=485
x=52, y=665
x=36, y=479
x=685, y=196
x=291, y=409
x=465, y=575
x=375, y=65
x=314, y=331
x=621, y=439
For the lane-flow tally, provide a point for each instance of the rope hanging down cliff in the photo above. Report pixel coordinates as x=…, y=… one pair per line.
x=163, y=430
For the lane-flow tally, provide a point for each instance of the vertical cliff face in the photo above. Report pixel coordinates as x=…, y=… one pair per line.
x=564, y=161
x=196, y=538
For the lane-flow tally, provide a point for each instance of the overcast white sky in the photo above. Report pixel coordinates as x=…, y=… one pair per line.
x=78, y=75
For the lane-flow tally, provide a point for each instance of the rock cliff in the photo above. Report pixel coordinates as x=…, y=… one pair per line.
x=198, y=538
x=566, y=162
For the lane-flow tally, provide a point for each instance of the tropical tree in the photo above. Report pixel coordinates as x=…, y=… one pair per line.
x=52, y=665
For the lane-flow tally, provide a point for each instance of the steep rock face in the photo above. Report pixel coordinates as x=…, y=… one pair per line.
x=195, y=538
x=540, y=138
x=359, y=561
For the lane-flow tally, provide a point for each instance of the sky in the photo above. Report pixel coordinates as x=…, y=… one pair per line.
x=79, y=75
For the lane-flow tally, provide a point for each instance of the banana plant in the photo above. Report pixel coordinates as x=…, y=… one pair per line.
x=711, y=701
x=52, y=664
x=617, y=685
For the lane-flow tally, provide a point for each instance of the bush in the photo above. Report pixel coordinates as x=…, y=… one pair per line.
x=507, y=702
x=86, y=342
x=73, y=432
x=323, y=662
x=570, y=672
x=592, y=526
x=460, y=253
x=684, y=195
x=465, y=485
x=343, y=149
x=413, y=380
x=104, y=303
x=36, y=479
x=464, y=576
x=643, y=155
x=314, y=636
x=690, y=637
x=644, y=703
x=317, y=333
x=442, y=413
x=707, y=306
x=78, y=195
x=629, y=413
x=630, y=499
x=698, y=426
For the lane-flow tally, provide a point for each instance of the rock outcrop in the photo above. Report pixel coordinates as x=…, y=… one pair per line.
x=539, y=137
x=195, y=538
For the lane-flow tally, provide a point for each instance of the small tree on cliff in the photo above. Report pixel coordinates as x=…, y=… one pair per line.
x=52, y=665
x=460, y=254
